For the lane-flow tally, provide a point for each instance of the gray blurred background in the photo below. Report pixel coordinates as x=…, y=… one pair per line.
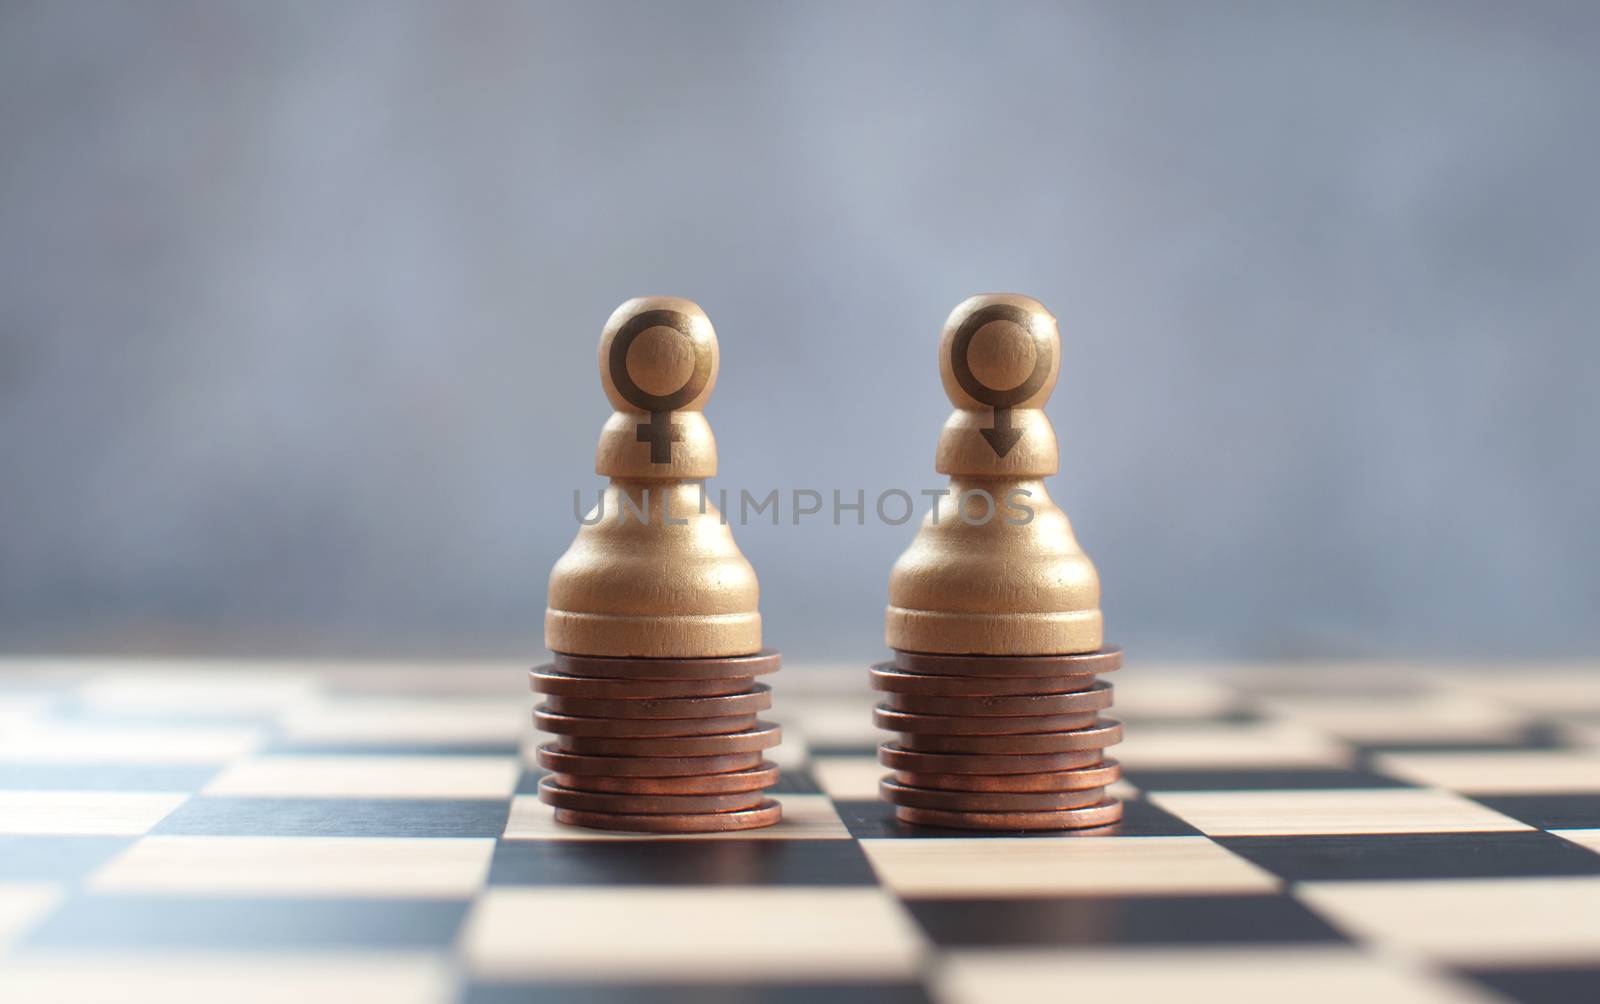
x=298, y=306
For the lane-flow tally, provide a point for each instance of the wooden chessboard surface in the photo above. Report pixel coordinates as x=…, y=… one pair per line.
x=174, y=831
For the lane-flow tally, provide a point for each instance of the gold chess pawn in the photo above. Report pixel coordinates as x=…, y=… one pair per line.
x=657, y=573
x=994, y=609
x=652, y=614
x=995, y=568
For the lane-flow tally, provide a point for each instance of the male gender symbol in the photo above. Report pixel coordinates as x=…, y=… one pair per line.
x=1002, y=437
x=660, y=432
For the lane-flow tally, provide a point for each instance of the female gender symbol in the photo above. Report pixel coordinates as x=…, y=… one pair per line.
x=1002, y=437
x=660, y=432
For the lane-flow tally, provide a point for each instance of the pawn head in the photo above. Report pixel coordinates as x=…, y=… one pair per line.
x=658, y=354
x=999, y=350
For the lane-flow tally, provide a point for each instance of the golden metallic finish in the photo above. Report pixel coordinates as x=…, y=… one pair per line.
x=993, y=581
x=659, y=575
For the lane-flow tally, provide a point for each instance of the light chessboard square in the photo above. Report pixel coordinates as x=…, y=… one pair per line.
x=998, y=867
x=1480, y=922
x=85, y=813
x=1239, y=976
x=1583, y=838
x=805, y=817
x=1229, y=745
x=1501, y=772
x=1334, y=678
x=21, y=905
x=1345, y=810
x=369, y=777
x=1141, y=693
x=378, y=720
x=1416, y=718
x=202, y=689
x=257, y=978
x=791, y=754
x=16, y=711
x=832, y=721
x=690, y=935
x=1545, y=689
x=505, y=680
x=86, y=742
x=300, y=867
x=803, y=678
x=848, y=778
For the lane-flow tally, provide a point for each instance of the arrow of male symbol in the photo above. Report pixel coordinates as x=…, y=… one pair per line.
x=1003, y=436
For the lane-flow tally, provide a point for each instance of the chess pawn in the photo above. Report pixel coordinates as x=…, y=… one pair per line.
x=656, y=572
x=995, y=568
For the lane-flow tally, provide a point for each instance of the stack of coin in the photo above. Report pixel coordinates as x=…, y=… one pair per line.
x=999, y=742
x=657, y=745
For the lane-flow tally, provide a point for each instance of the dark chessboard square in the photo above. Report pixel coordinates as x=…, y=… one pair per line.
x=719, y=993
x=1120, y=920
x=1140, y=818
x=1258, y=780
x=1415, y=856
x=104, y=777
x=865, y=748
x=1544, y=985
x=56, y=858
x=336, y=817
x=764, y=862
x=190, y=923
x=871, y=820
x=1550, y=812
x=796, y=781
x=1545, y=734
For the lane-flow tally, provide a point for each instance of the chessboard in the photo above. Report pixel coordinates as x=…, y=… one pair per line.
x=176, y=831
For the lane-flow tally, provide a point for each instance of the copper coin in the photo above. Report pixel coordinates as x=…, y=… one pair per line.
x=989, y=801
x=1104, y=661
x=560, y=761
x=765, y=661
x=551, y=793
x=546, y=680
x=764, y=735
x=1098, y=776
x=885, y=677
x=764, y=814
x=753, y=779
x=571, y=725
x=748, y=703
x=977, y=725
x=897, y=758
x=1097, y=698
x=1103, y=814
x=1105, y=732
